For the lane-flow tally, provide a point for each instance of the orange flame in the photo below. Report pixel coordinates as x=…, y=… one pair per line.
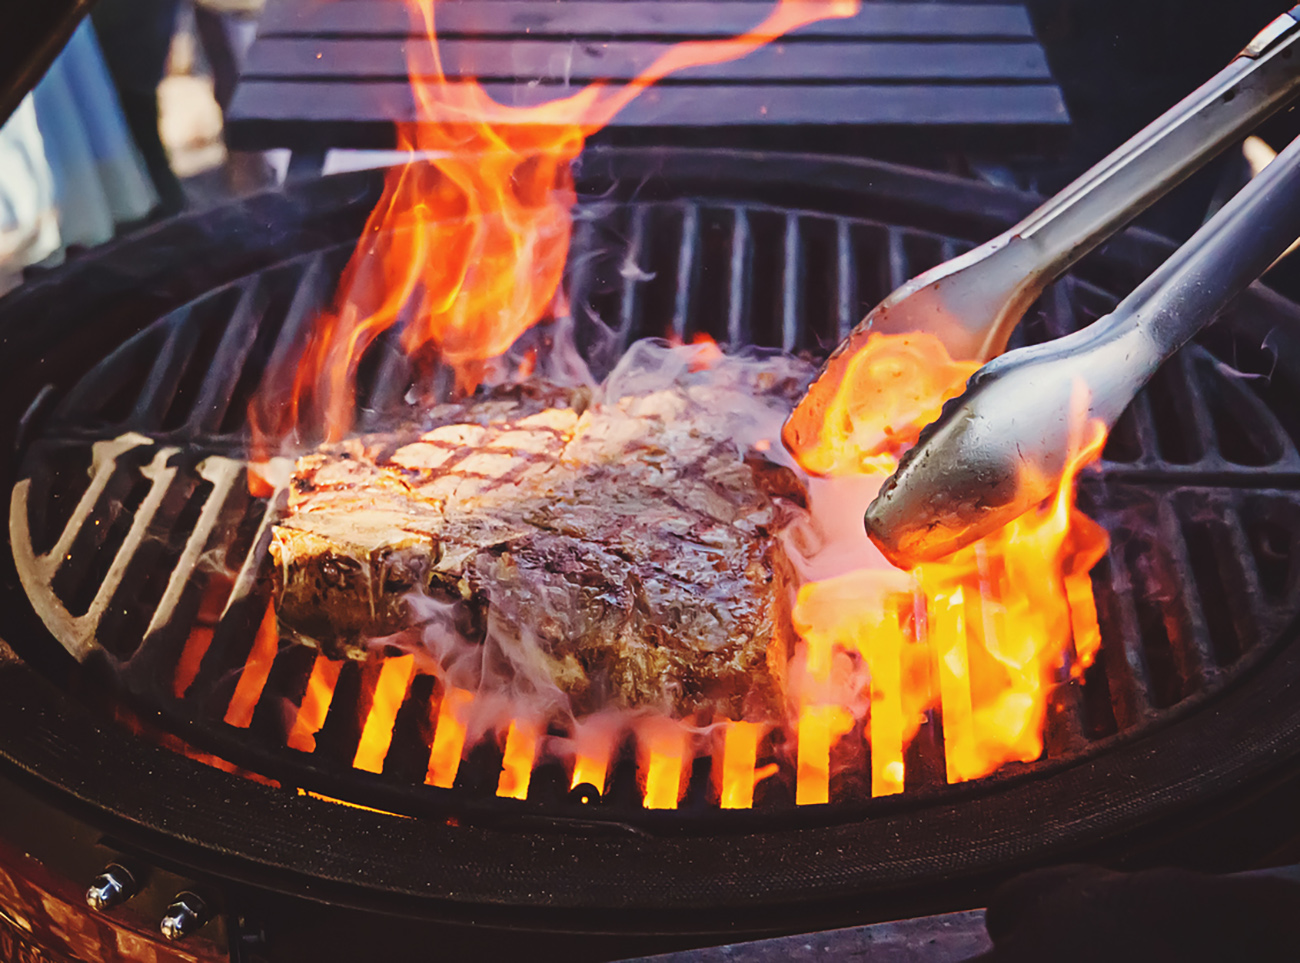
x=257, y=668
x=593, y=747
x=517, y=760
x=994, y=622
x=466, y=252
x=820, y=727
x=739, y=772
x=663, y=745
x=315, y=704
x=377, y=733
x=889, y=390
x=448, y=739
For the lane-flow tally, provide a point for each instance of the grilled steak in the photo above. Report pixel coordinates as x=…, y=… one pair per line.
x=627, y=548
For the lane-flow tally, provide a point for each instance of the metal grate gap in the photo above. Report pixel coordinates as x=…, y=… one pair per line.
x=1203, y=539
x=818, y=273
x=872, y=251
x=1170, y=399
x=710, y=307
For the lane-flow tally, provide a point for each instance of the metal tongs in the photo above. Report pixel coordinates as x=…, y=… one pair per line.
x=1002, y=447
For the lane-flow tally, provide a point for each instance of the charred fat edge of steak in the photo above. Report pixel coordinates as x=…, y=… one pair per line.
x=344, y=578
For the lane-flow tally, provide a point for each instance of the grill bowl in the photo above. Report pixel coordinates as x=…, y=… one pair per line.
x=159, y=333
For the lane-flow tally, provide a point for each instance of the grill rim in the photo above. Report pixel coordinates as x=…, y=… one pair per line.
x=166, y=804
x=33, y=753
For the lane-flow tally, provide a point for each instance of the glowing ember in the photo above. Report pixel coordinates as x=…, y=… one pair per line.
x=998, y=617
x=377, y=733
x=883, y=651
x=593, y=746
x=705, y=352
x=517, y=762
x=448, y=738
x=663, y=746
x=820, y=727
x=315, y=704
x=589, y=771
x=187, y=667
x=948, y=625
x=466, y=252
x=739, y=758
x=239, y=712
x=213, y=601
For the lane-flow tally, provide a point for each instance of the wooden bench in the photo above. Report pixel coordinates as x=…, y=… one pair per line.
x=333, y=73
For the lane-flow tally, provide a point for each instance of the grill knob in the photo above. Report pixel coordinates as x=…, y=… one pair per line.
x=113, y=887
x=184, y=916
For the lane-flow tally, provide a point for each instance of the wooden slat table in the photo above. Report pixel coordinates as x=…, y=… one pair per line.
x=333, y=73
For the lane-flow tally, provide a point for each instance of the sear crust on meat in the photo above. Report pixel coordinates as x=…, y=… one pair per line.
x=629, y=549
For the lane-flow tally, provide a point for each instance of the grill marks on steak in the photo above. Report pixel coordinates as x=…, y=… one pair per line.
x=625, y=554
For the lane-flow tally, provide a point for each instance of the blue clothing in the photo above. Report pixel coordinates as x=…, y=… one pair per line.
x=100, y=180
x=29, y=230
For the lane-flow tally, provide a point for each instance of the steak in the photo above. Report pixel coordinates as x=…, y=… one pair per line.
x=624, y=551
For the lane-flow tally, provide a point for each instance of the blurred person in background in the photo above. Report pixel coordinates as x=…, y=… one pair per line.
x=70, y=173
x=136, y=37
x=29, y=228
x=175, y=95
x=100, y=180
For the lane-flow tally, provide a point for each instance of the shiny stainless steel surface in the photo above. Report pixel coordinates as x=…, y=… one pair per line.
x=974, y=301
x=186, y=915
x=1003, y=445
x=111, y=888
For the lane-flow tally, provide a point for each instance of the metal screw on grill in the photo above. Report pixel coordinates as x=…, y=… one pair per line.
x=585, y=794
x=113, y=887
x=186, y=914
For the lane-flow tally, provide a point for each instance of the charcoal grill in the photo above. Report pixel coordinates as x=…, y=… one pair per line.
x=1192, y=698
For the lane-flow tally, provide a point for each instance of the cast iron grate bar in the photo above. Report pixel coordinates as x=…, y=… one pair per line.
x=739, y=328
x=846, y=277
x=1195, y=662
x=1122, y=649
x=687, y=272
x=629, y=319
x=791, y=315
x=218, y=388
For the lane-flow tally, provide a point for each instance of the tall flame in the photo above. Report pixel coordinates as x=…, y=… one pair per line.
x=466, y=252
x=994, y=623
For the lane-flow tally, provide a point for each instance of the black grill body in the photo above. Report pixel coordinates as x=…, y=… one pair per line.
x=168, y=333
